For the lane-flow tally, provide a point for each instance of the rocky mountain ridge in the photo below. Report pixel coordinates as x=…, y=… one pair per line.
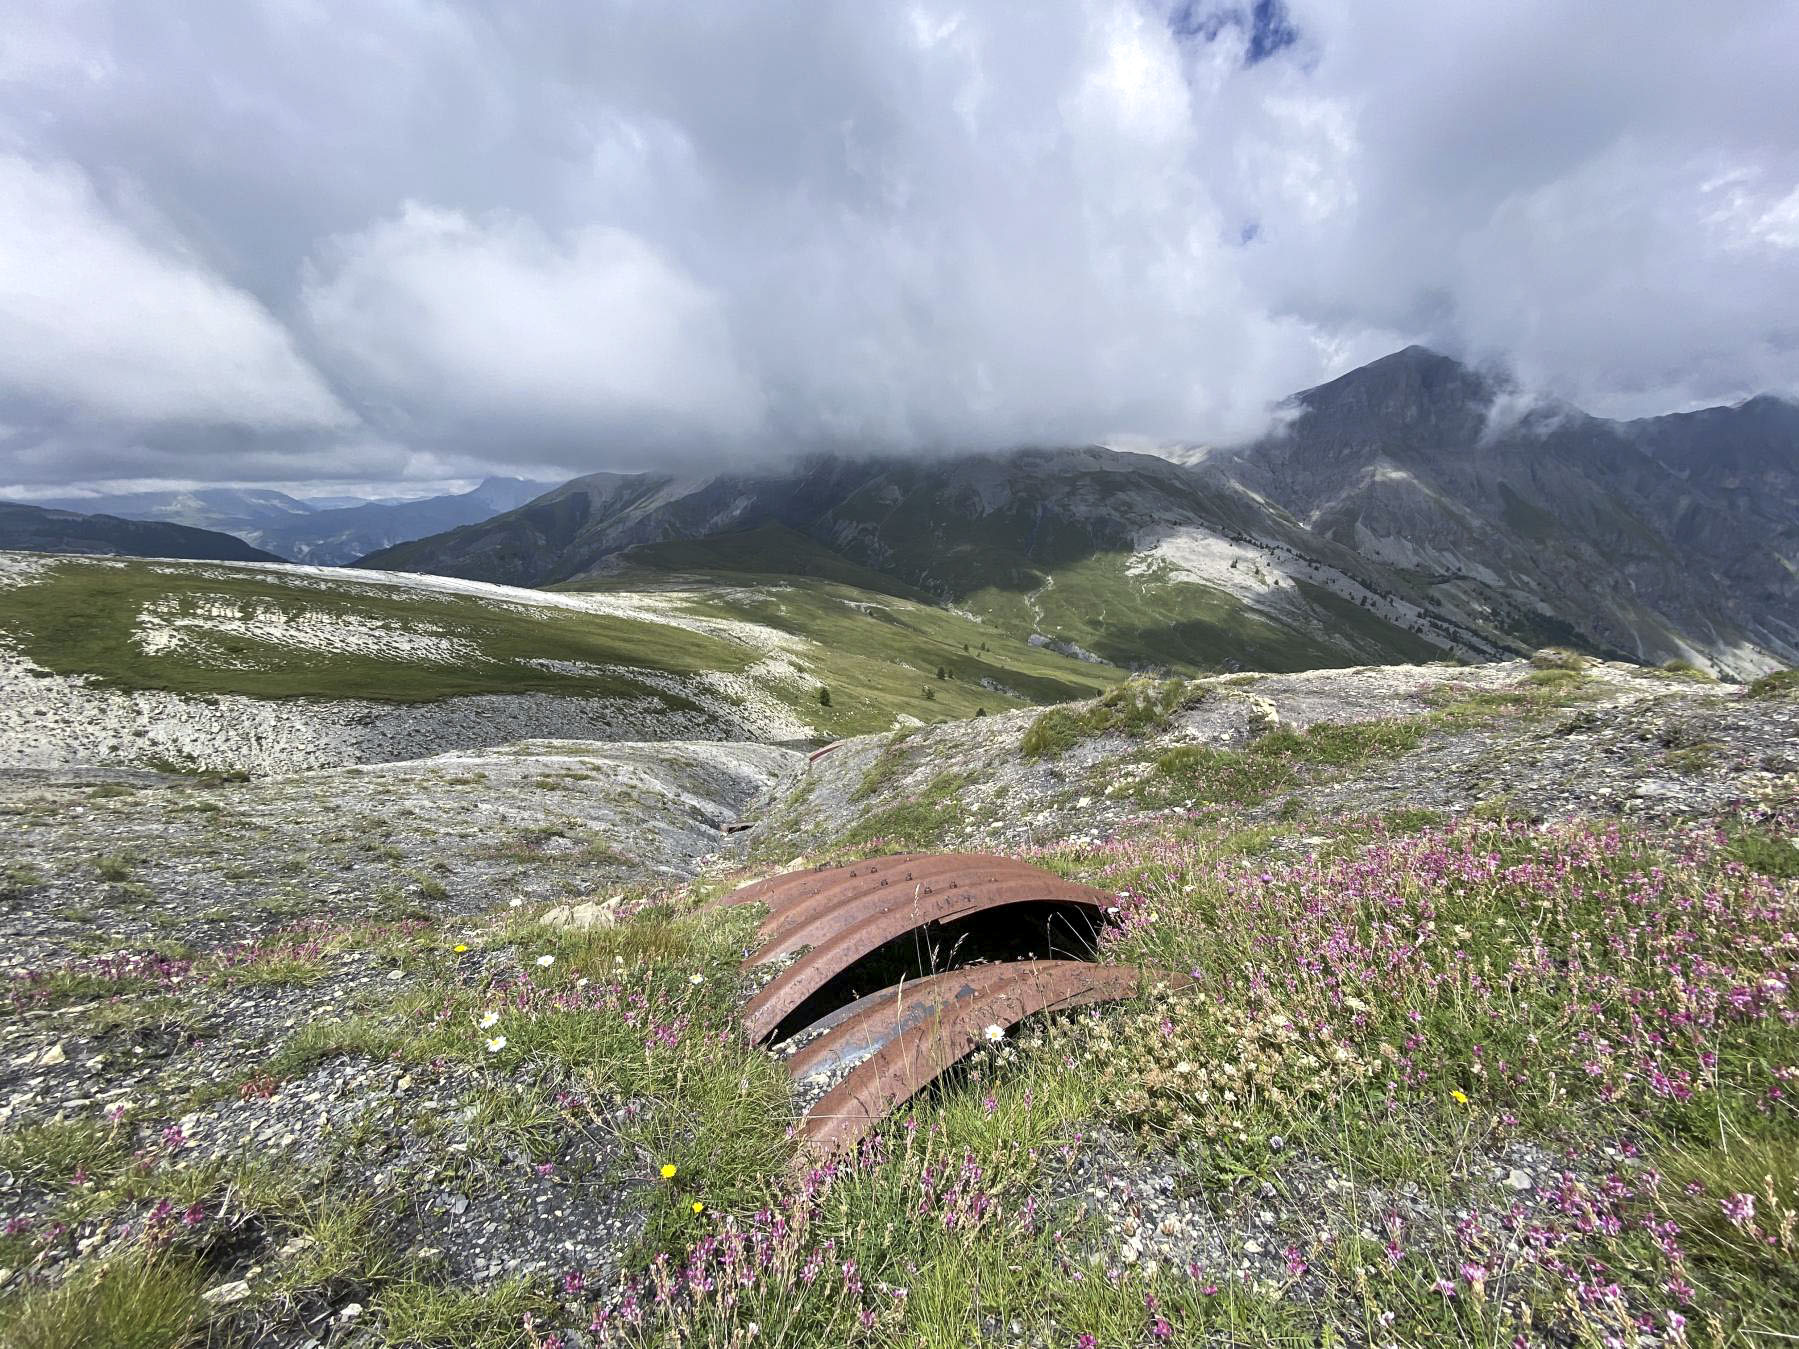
x=1454, y=513
x=1669, y=537
x=1124, y=555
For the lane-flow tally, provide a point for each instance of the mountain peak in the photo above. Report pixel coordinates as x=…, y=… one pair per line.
x=1415, y=396
x=1414, y=369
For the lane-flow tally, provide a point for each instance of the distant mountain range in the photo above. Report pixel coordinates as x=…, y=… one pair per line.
x=1124, y=558
x=327, y=531
x=40, y=529
x=1413, y=507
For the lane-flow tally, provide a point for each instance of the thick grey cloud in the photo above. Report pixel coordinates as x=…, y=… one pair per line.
x=286, y=239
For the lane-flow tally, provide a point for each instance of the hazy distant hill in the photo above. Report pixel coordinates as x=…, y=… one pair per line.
x=228, y=508
x=40, y=529
x=329, y=531
x=334, y=537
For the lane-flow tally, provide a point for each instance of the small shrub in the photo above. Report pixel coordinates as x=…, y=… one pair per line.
x=1053, y=732
x=1692, y=758
x=824, y=696
x=1413, y=819
x=1136, y=707
x=1684, y=669
x=17, y=880
x=50, y=1153
x=434, y=1316
x=137, y=1301
x=1271, y=763
x=1558, y=658
x=887, y=766
x=1554, y=677
x=114, y=867
x=1777, y=684
x=919, y=821
x=1763, y=850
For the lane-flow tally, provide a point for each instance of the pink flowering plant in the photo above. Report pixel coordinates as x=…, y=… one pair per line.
x=1540, y=1032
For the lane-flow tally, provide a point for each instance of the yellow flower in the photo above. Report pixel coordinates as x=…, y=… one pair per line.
x=460, y=947
x=698, y=1207
x=668, y=1171
x=1459, y=1098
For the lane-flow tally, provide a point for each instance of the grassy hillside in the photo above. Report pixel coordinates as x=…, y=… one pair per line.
x=1106, y=602
x=1150, y=620
x=274, y=632
x=768, y=553
x=271, y=633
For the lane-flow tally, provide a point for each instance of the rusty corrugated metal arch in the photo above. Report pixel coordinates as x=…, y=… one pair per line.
x=806, y=922
x=777, y=890
x=892, y=1043
x=876, y=919
x=897, y=1050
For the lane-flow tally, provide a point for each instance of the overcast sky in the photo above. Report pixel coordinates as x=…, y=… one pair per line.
x=415, y=240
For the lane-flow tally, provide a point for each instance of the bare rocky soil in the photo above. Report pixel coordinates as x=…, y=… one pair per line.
x=145, y=917
x=1619, y=741
x=52, y=721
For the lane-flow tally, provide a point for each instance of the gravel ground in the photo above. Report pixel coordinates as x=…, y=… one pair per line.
x=1637, y=745
x=51, y=721
x=107, y=863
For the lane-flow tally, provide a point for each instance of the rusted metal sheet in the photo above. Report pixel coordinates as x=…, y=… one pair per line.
x=800, y=883
x=923, y=877
x=902, y=1048
x=823, y=887
x=808, y=926
x=851, y=1033
x=792, y=887
x=881, y=917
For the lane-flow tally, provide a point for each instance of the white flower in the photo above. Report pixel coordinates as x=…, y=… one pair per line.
x=544, y=962
x=495, y=1045
x=581, y=982
x=517, y=903
x=489, y=1021
x=696, y=978
x=994, y=1033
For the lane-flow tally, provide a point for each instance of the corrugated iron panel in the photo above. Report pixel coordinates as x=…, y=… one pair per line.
x=807, y=921
x=907, y=1047
x=874, y=919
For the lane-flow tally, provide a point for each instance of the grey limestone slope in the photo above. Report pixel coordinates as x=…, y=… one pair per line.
x=1669, y=537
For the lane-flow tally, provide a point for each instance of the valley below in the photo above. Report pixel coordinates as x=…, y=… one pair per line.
x=359, y=989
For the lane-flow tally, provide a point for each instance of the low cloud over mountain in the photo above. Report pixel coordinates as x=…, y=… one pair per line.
x=272, y=243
